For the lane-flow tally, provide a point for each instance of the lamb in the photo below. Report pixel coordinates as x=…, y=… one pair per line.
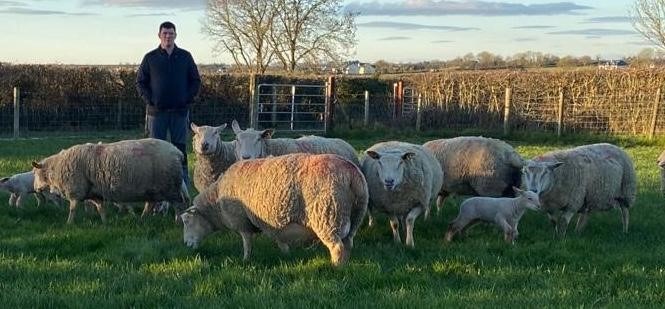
x=145, y=170
x=213, y=156
x=477, y=166
x=21, y=185
x=252, y=144
x=505, y=212
x=661, y=166
x=293, y=199
x=402, y=178
x=581, y=180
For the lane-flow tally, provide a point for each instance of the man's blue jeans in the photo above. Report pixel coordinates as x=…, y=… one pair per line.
x=175, y=124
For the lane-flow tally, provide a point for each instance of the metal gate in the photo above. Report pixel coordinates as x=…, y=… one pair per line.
x=292, y=107
x=410, y=103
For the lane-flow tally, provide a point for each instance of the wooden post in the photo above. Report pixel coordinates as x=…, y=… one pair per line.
x=366, y=120
x=330, y=104
x=654, y=115
x=506, y=112
x=398, y=97
x=17, y=105
x=559, y=122
x=419, y=112
x=253, y=102
x=273, y=117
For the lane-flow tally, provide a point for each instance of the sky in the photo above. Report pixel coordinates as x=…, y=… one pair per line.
x=122, y=31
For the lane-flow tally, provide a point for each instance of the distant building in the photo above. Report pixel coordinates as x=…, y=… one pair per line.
x=612, y=64
x=359, y=68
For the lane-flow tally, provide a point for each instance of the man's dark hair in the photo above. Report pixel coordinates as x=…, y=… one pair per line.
x=166, y=25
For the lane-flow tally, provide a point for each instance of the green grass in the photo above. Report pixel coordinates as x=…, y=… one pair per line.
x=45, y=263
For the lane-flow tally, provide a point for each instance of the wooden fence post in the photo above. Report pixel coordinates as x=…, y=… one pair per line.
x=419, y=112
x=506, y=111
x=366, y=119
x=398, y=98
x=654, y=115
x=330, y=104
x=253, y=103
x=17, y=105
x=559, y=122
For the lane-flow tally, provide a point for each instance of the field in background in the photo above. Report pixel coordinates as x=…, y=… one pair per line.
x=44, y=263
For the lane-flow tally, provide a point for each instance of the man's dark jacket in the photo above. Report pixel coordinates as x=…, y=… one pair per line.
x=168, y=83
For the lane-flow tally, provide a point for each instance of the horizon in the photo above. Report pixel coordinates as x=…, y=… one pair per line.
x=120, y=32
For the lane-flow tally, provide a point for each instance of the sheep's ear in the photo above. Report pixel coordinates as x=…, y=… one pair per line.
x=236, y=127
x=553, y=166
x=408, y=156
x=37, y=165
x=266, y=134
x=517, y=190
x=5, y=179
x=194, y=127
x=373, y=154
x=220, y=128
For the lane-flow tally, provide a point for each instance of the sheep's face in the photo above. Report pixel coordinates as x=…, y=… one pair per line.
x=250, y=144
x=531, y=199
x=390, y=166
x=206, y=138
x=195, y=227
x=42, y=179
x=538, y=177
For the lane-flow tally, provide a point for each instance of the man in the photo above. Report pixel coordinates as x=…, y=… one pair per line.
x=167, y=81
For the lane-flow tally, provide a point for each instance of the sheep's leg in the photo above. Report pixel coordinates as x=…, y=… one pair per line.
x=72, y=211
x=100, y=210
x=246, y=245
x=625, y=217
x=284, y=247
x=19, y=200
x=440, y=200
x=582, y=220
x=553, y=221
x=147, y=209
x=563, y=222
x=370, y=218
x=40, y=199
x=339, y=253
x=394, y=225
x=410, y=220
x=53, y=199
x=12, y=199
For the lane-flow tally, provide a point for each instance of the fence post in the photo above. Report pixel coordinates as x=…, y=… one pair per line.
x=17, y=105
x=418, y=112
x=506, y=111
x=366, y=119
x=559, y=122
x=273, y=117
x=118, y=116
x=654, y=116
x=293, y=105
x=330, y=104
x=253, y=102
x=398, y=98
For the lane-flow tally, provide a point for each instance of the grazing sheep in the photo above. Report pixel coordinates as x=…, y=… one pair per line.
x=476, y=165
x=213, y=156
x=146, y=170
x=582, y=180
x=293, y=199
x=252, y=144
x=402, y=178
x=22, y=184
x=661, y=166
x=505, y=212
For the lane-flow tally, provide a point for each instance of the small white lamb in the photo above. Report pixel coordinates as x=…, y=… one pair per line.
x=503, y=211
x=21, y=185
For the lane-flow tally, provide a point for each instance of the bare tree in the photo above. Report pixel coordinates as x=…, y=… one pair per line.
x=241, y=28
x=310, y=30
x=649, y=20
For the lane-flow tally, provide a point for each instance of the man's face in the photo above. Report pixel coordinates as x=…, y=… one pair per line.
x=167, y=37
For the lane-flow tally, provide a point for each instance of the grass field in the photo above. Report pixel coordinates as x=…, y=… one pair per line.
x=45, y=263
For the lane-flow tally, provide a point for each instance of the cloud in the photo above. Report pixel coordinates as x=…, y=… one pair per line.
x=11, y=3
x=534, y=27
x=525, y=39
x=25, y=11
x=410, y=26
x=443, y=7
x=149, y=14
x=594, y=32
x=608, y=19
x=442, y=41
x=153, y=4
x=395, y=38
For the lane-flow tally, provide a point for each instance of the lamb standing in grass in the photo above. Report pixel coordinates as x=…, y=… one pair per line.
x=581, y=180
x=252, y=144
x=292, y=199
x=213, y=156
x=505, y=212
x=476, y=165
x=403, y=179
x=146, y=170
x=21, y=185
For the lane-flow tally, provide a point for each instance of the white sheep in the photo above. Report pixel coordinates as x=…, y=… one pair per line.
x=21, y=185
x=476, y=165
x=505, y=212
x=145, y=170
x=252, y=144
x=581, y=180
x=292, y=199
x=403, y=179
x=213, y=156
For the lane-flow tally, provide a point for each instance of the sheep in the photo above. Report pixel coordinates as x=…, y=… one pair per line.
x=402, y=178
x=581, y=180
x=22, y=184
x=477, y=166
x=252, y=144
x=292, y=199
x=505, y=212
x=661, y=167
x=145, y=170
x=213, y=156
